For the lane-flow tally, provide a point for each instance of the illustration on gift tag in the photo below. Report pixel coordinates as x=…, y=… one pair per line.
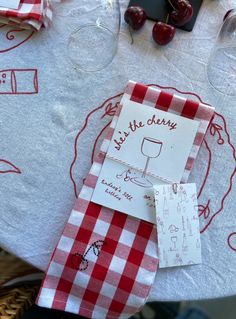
x=178, y=260
x=183, y=224
x=173, y=229
x=165, y=258
x=174, y=240
x=125, y=175
x=182, y=195
x=184, y=244
x=179, y=237
x=165, y=207
x=19, y=81
x=189, y=227
x=161, y=224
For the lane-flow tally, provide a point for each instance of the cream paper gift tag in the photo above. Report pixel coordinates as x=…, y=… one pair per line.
x=10, y=4
x=179, y=241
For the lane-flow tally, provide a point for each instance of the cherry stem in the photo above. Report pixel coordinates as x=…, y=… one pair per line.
x=131, y=35
x=167, y=18
x=171, y=4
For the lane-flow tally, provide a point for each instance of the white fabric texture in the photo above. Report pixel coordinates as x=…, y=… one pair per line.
x=38, y=131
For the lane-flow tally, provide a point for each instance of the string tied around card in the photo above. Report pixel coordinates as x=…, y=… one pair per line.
x=174, y=183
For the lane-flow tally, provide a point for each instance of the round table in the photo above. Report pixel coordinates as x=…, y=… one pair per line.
x=49, y=127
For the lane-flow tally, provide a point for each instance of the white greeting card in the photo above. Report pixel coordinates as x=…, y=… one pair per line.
x=10, y=4
x=179, y=241
x=149, y=147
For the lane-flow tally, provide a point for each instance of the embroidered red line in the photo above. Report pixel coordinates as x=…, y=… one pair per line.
x=96, y=141
x=229, y=241
x=12, y=37
x=16, y=170
x=14, y=82
x=110, y=110
x=77, y=138
x=208, y=168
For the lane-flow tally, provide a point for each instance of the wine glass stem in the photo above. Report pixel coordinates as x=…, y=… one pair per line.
x=146, y=167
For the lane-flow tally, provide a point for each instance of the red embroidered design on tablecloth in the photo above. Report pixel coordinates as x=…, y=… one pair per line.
x=11, y=80
x=11, y=38
x=19, y=81
x=217, y=129
x=232, y=241
x=7, y=167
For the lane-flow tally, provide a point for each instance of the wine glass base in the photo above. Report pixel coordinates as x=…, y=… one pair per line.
x=221, y=70
x=92, y=47
x=142, y=182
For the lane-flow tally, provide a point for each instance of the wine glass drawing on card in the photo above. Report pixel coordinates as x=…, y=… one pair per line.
x=151, y=148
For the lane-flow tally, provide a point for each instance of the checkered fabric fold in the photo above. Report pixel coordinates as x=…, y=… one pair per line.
x=105, y=262
x=30, y=14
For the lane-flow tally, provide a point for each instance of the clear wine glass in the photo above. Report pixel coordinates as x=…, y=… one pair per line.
x=151, y=148
x=93, y=45
x=221, y=68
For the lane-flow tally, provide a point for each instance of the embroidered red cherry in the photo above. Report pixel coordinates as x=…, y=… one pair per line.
x=182, y=12
x=163, y=33
x=135, y=16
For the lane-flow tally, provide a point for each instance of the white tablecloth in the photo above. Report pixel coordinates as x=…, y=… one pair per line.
x=38, y=133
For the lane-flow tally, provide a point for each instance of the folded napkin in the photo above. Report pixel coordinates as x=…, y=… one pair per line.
x=30, y=14
x=105, y=262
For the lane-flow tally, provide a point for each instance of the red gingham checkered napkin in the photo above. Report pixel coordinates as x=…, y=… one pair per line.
x=105, y=262
x=31, y=13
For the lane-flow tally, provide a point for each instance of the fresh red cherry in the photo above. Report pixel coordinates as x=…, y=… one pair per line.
x=163, y=33
x=227, y=14
x=182, y=13
x=135, y=16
